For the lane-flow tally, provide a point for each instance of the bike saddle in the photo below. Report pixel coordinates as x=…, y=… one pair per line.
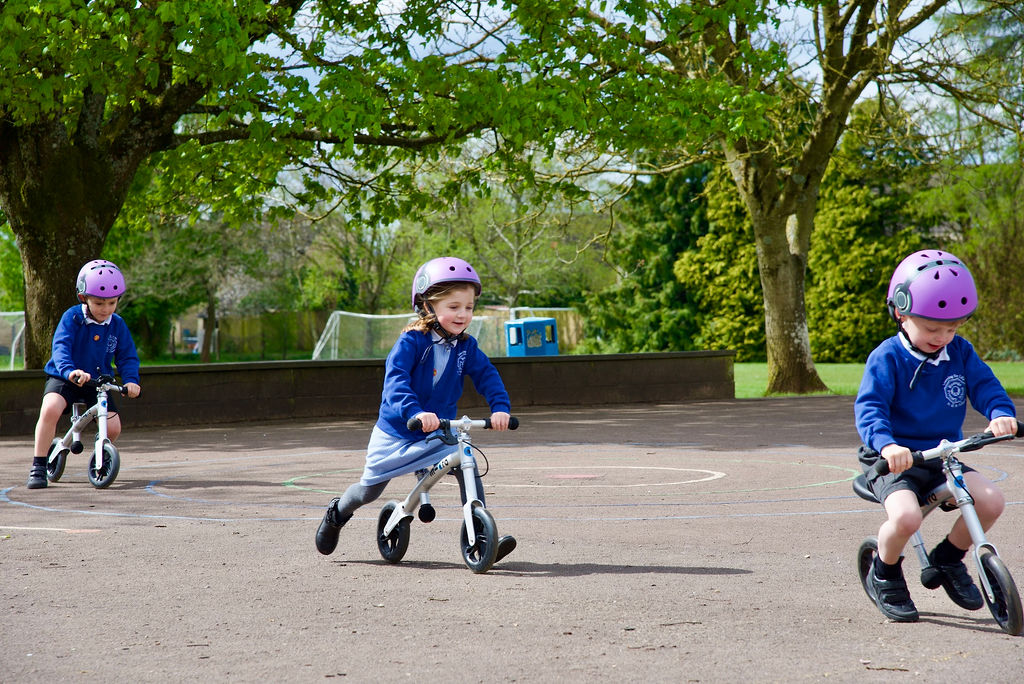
x=861, y=488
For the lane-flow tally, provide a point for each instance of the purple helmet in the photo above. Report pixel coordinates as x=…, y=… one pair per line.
x=932, y=284
x=100, y=278
x=441, y=270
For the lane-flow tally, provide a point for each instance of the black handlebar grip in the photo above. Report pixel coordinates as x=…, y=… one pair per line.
x=881, y=466
x=513, y=423
x=1020, y=429
x=414, y=424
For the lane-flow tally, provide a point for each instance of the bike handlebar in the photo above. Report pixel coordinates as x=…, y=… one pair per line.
x=972, y=443
x=106, y=380
x=415, y=424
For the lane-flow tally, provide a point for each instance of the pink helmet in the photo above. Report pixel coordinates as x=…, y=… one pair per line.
x=932, y=284
x=100, y=278
x=441, y=270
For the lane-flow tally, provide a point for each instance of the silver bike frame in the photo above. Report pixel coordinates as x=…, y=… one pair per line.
x=81, y=419
x=954, y=489
x=460, y=457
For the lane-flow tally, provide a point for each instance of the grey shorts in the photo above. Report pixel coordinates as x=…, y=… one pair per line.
x=920, y=479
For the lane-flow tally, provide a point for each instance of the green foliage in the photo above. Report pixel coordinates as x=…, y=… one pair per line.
x=356, y=266
x=647, y=309
x=982, y=204
x=174, y=266
x=525, y=247
x=862, y=230
x=56, y=53
x=721, y=276
x=12, y=283
x=849, y=267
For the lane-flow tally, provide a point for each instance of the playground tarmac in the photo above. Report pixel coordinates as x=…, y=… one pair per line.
x=695, y=542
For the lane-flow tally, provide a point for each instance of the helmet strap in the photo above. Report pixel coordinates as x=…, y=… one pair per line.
x=435, y=325
x=88, y=308
x=927, y=357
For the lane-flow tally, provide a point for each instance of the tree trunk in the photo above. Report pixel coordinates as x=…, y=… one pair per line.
x=63, y=182
x=209, y=326
x=60, y=200
x=782, y=232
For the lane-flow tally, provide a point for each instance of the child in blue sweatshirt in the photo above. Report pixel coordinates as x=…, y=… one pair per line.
x=914, y=394
x=423, y=379
x=89, y=338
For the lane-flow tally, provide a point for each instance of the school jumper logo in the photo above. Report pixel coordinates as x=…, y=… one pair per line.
x=460, y=363
x=112, y=343
x=955, y=390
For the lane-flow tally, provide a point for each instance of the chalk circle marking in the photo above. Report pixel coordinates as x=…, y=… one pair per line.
x=575, y=478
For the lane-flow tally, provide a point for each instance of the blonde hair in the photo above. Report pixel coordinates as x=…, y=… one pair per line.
x=426, y=322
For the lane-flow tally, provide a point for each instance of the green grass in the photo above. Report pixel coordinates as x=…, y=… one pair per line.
x=844, y=378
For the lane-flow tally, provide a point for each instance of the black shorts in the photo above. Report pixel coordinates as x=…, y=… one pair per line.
x=73, y=393
x=919, y=479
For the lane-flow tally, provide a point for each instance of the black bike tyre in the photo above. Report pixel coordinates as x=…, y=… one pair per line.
x=865, y=563
x=55, y=463
x=479, y=555
x=1006, y=607
x=106, y=475
x=392, y=547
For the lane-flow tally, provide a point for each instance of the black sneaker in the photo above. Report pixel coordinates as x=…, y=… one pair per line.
x=959, y=585
x=37, y=478
x=330, y=526
x=506, y=545
x=893, y=598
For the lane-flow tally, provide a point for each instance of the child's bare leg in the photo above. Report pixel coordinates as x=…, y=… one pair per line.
x=113, y=426
x=888, y=586
x=988, y=503
x=46, y=427
x=904, y=519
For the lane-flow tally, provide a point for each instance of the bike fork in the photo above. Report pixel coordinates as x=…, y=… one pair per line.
x=101, y=430
x=472, y=495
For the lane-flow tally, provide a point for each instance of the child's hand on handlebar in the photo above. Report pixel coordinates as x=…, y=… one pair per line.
x=79, y=377
x=1002, y=426
x=131, y=389
x=429, y=421
x=899, y=457
x=499, y=420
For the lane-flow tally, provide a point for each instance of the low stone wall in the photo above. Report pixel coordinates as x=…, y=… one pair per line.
x=302, y=390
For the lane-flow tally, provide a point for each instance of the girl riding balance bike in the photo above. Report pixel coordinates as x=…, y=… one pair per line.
x=423, y=380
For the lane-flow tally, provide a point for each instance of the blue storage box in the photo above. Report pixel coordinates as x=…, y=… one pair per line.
x=531, y=337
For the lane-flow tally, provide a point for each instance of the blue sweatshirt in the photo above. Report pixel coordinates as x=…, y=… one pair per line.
x=82, y=343
x=409, y=387
x=887, y=411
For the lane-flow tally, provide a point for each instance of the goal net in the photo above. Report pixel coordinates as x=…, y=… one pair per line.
x=12, y=339
x=350, y=335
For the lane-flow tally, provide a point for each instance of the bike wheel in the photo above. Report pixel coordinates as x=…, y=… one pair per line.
x=480, y=552
x=393, y=546
x=865, y=563
x=1005, y=604
x=105, y=475
x=56, y=459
